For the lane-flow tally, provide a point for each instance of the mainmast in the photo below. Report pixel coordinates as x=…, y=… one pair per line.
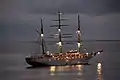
x=59, y=33
x=60, y=43
x=78, y=35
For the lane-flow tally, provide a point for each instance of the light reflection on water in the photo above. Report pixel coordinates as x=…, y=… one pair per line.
x=79, y=70
x=99, y=71
x=65, y=70
x=13, y=67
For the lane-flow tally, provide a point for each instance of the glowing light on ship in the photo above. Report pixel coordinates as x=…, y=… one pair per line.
x=87, y=53
x=67, y=57
x=78, y=45
x=60, y=13
x=60, y=44
x=78, y=31
x=59, y=30
x=98, y=53
x=42, y=35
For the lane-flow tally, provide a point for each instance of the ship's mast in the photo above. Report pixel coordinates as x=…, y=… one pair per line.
x=60, y=44
x=42, y=38
x=78, y=35
x=59, y=33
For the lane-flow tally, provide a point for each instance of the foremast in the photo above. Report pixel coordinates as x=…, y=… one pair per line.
x=42, y=38
x=41, y=35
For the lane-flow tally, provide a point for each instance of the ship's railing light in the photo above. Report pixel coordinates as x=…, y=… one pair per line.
x=87, y=53
x=98, y=53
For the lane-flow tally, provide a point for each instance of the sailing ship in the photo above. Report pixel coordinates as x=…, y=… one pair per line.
x=71, y=57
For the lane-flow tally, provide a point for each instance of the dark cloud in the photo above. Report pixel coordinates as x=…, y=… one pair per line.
x=23, y=15
x=20, y=18
x=67, y=6
x=76, y=6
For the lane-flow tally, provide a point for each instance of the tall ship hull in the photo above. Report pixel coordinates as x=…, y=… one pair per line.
x=61, y=59
x=53, y=62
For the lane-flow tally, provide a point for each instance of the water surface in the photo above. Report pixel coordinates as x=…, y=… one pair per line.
x=102, y=67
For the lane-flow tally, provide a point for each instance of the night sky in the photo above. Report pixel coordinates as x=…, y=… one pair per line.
x=100, y=19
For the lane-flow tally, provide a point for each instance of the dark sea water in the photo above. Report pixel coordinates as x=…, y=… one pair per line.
x=105, y=66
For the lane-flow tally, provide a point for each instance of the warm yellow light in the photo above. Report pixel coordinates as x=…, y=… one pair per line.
x=80, y=69
x=52, y=68
x=67, y=57
x=99, y=71
x=99, y=68
x=78, y=45
x=87, y=53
